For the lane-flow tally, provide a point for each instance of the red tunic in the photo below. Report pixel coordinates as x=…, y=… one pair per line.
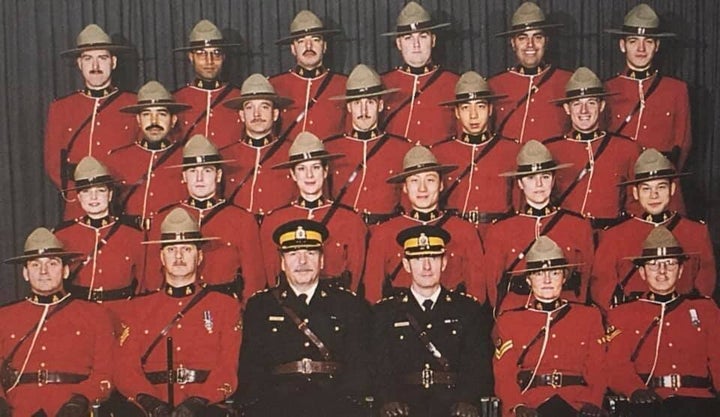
x=344, y=250
x=236, y=252
x=626, y=240
x=223, y=125
x=264, y=188
x=597, y=195
x=326, y=117
x=686, y=340
x=147, y=186
x=206, y=338
x=422, y=119
x=369, y=191
x=464, y=254
x=571, y=348
x=536, y=117
x=77, y=340
x=508, y=238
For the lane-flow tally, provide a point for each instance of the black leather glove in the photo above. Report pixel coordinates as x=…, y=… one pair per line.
x=461, y=409
x=523, y=411
x=394, y=409
x=4, y=408
x=153, y=405
x=644, y=396
x=591, y=410
x=77, y=406
x=191, y=407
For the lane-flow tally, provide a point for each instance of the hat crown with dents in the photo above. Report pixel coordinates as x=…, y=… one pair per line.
x=652, y=163
x=199, y=148
x=425, y=240
x=545, y=254
x=526, y=15
x=306, y=147
x=417, y=160
x=42, y=243
x=89, y=169
x=534, y=158
x=305, y=21
x=642, y=16
x=583, y=84
x=179, y=226
x=471, y=82
x=363, y=82
x=257, y=84
x=414, y=18
x=300, y=234
x=92, y=34
x=205, y=31
x=154, y=92
x=660, y=243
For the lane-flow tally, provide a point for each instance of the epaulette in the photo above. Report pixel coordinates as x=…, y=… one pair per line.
x=553, y=139
x=623, y=220
x=448, y=139
x=132, y=220
x=347, y=290
x=566, y=212
x=120, y=148
x=65, y=224
x=464, y=294
x=394, y=136
x=400, y=296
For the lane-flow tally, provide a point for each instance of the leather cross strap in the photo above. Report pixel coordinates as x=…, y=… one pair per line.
x=445, y=195
x=559, y=316
x=302, y=326
x=102, y=242
x=639, y=104
x=522, y=99
x=429, y=345
x=655, y=322
x=408, y=100
x=226, y=90
x=601, y=148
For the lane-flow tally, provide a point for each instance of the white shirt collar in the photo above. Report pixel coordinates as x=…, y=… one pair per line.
x=309, y=292
x=420, y=298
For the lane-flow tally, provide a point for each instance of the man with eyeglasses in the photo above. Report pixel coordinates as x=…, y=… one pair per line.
x=614, y=278
x=207, y=52
x=663, y=346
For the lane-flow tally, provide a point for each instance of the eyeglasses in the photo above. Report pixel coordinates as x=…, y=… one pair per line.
x=214, y=53
x=669, y=264
x=552, y=273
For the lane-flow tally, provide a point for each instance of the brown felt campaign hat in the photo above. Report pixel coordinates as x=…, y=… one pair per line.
x=306, y=23
x=652, y=165
x=154, y=94
x=472, y=86
x=544, y=254
x=414, y=18
x=91, y=38
x=363, y=82
x=199, y=151
x=306, y=147
x=179, y=227
x=42, y=243
x=90, y=172
x=534, y=158
x=417, y=160
x=206, y=35
x=659, y=244
x=528, y=17
x=582, y=84
x=257, y=87
x=641, y=20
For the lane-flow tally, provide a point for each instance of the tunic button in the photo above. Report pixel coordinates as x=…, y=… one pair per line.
x=99, y=271
x=532, y=120
x=307, y=344
x=146, y=331
x=667, y=114
x=43, y=348
x=179, y=326
x=418, y=122
x=555, y=356
x=42, y=364
x=97, y=143
x=670, y=344
x=274, y=329
x=152, y=194
x=178, y=348
x=337, y=329
x=429, y=326
x=44, y=329
x=77, y=332
x=259, y=190
x=553, y=336
x=454, y=332
x=673, y=366
x=402, y=337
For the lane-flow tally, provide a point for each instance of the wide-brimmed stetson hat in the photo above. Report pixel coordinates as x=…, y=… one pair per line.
x=91, y=38
x=90, y=172
x=206, y=35
x=472, y=86
x=582, y=84
x=528, y=17
x=42, y=243
x=417, y=160
x=307, y=147
x=257, y=87
x=653, y=165
x=641, y=20
x=534, y=158
x=363, y=82
x=424, y=240
x=154, y=94
x=199, y=151
x=545, y=254
x=306, y=23
x=179, y=227
x=659, y=244
x=300, y=234
x=414, y=18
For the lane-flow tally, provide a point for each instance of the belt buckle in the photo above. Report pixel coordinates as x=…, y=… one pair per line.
x=426, y=376
x=672, y=381
x=42, y=376
x=96, y=294
x=556, y=379
x=184, y=376
x=306, y=366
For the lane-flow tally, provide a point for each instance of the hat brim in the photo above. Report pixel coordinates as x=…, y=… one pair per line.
x=640, y=260
x=113, y=48
x=178, y=242
x=620, y=32
x=237, y=102
x=441, y=169
x=365, y=95
x=67, y=256
x=540, y=171
x=656, y=177
x=567, y=99
x=525, y=271
x=288, y=39
x=529, y=27
x=172, y=107
x=94, y=184
x=290, y=164
x=188, y=48
x=425, y=29
x=489, y=98
x=199, y=164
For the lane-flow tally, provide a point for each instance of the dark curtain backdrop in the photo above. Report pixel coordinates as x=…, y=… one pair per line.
x=32, y=73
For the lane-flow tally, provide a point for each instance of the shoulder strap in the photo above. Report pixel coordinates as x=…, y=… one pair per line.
x=653, y=324
x=409, y=99
x=445, y=195
x=325, y=83
x=164, y=157
x=601, y=148
x=561, y=315
x=177, y=317
x=216, y=210
x=425, y=339
x=302, y=326
x=226, y=90
x=522, y=99
x=640, y=103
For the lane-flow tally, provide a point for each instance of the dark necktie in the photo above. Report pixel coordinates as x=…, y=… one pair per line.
x=427, y=304
x=303, y=298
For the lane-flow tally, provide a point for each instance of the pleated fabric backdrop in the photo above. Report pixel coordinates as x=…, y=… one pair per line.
x=32, y=73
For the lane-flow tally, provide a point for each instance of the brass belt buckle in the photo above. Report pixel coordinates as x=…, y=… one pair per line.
x=672, y=381
x=427, y=376
x=184, y=376
x=473, y=216
x=42, y=376
x=96, y=294
x=556, y=379
x=306, y=366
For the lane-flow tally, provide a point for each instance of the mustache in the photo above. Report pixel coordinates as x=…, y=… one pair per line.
x=179, y=263
x=96, y=71
x=155, y=126
x=258, y=120
x=309, y=52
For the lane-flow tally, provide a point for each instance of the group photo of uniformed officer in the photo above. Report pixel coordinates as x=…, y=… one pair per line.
x=318, y=208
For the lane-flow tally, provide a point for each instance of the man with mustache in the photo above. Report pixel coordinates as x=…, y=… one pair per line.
x=526, y=113
x=140, y=165
x=310, y=83
x=207, y=51
x=87, y=122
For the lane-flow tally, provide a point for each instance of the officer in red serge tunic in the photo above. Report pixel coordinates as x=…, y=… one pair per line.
x=371, y=155
x=206, y=52
x=475, y=189
x=114, y=259
x=344, y=250
x=310, y=84
x=601, y=160
x=56, y=350
x=250, y=183
x=615, y=278
x=508, y=240
x=413, y=113
x=98, y=103
x=549, y=359
x=529, y=86
x=234, y=262
x=147, y=185
x=663, y=346
x=204, y=326
x=422, y=182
